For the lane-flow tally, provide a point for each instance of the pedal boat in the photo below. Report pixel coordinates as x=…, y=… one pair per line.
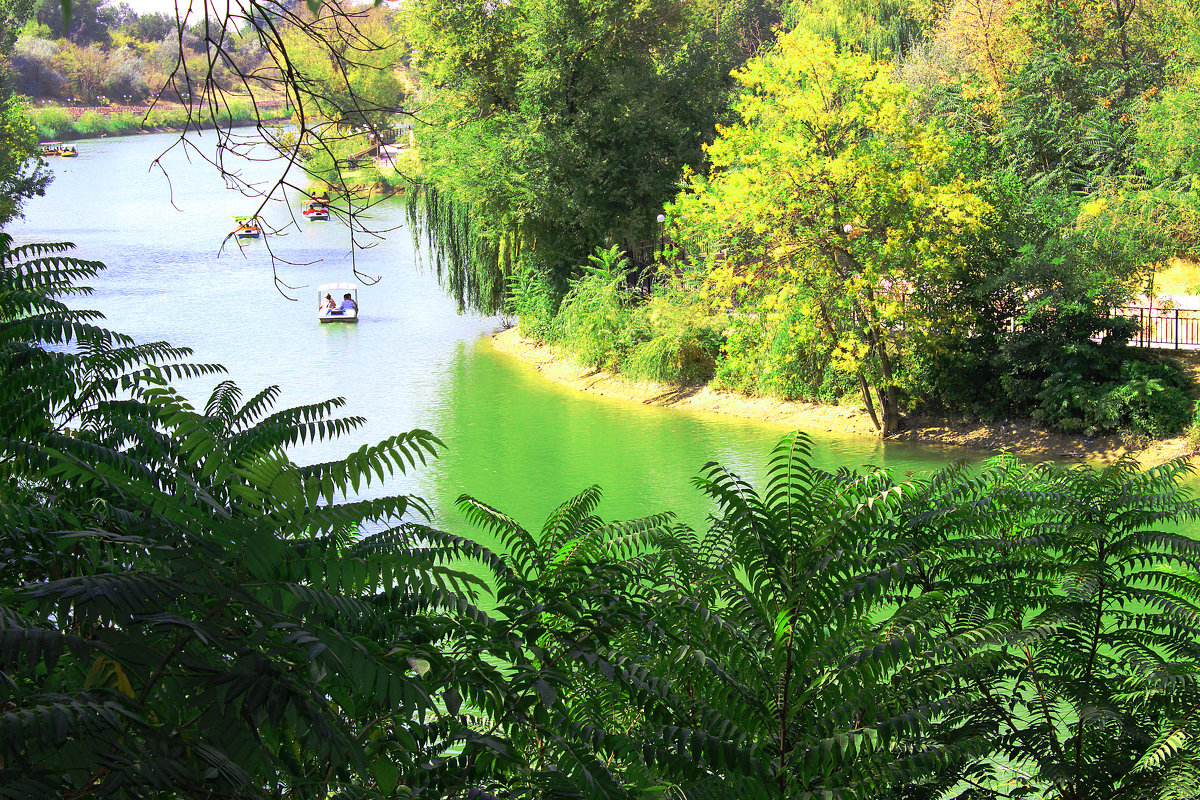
x=337, y=291
x=316, y=210
x=247, y=228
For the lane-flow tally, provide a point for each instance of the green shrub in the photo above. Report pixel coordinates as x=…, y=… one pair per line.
x=166, y=118
x=679, y=356
x=531, y=300
x=596, y=322
x=56, y=123
x=1146, y=398
x=739, y=366
x=785, y=356
x=52, y=123
x=123, y=123
x=90, y=123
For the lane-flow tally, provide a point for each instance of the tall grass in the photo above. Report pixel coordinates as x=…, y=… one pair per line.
x=682, y=354
x=56, y=123
x=51, y=123
x=595, y=322
x=91, y=124
x=531, y=299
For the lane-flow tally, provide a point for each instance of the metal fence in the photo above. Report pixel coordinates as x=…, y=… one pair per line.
x=1170, y=328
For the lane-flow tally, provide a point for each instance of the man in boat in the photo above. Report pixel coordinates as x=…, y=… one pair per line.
x=348, y=303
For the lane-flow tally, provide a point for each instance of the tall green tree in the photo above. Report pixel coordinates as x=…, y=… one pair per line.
x=21, y=173
x=831, y=208
x=883, y=29
x=77, y=20
x=555, y=127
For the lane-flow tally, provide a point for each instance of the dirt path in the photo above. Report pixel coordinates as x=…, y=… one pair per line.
x=1022, y=438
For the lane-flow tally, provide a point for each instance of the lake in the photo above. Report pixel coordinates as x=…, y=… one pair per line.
x=512, y=439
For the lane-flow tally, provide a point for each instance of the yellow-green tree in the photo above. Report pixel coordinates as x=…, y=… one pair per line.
x=345, y=67
x=830, y=206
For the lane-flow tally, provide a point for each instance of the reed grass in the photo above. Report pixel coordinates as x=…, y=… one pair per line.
x=55, y=123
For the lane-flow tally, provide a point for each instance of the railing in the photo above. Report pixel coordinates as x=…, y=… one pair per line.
x=1172, y=328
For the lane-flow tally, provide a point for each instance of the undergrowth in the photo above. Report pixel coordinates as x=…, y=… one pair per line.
x=54, y=123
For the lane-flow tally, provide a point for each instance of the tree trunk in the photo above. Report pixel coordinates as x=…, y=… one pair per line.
x=885, y=390
x=866, y=398
x=889, y=403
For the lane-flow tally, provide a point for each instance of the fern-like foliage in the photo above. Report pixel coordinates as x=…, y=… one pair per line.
x=1095, y=691
x=802, y=673
x=575, y=610
x=184, y=611
x=774, y=655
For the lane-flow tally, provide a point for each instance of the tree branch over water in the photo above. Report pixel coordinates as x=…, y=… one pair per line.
x=329, y=65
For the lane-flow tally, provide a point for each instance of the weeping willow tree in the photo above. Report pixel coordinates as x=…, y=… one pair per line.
x=882, y=29
x=470, y=263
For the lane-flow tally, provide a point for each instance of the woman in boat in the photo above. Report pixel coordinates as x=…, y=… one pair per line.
x=329, y=304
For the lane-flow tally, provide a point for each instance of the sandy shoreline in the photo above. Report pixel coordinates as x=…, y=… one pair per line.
x=1015, y=437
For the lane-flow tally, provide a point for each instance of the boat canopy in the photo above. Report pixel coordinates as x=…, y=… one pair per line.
x=337, y=312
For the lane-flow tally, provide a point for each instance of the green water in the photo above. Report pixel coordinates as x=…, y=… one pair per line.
x=513, y=439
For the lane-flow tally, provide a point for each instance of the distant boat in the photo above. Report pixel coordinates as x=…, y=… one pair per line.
x=68, y=151
x=50, y=148
x=316, y=210
x=247, y=228
x=343, y=297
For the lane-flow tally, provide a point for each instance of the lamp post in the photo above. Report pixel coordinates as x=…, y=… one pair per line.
x=662, y=218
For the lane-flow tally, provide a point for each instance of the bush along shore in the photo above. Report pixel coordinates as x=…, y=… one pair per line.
x=604, y=337
x=61, y=123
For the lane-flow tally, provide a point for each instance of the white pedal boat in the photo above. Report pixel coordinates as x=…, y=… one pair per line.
x=344, y=299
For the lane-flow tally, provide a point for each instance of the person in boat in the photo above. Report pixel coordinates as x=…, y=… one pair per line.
x=329, y=305
x=348, y=303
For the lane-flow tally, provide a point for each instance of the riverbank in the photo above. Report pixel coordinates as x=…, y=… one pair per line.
x=55, y=123
x=1017, y=437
